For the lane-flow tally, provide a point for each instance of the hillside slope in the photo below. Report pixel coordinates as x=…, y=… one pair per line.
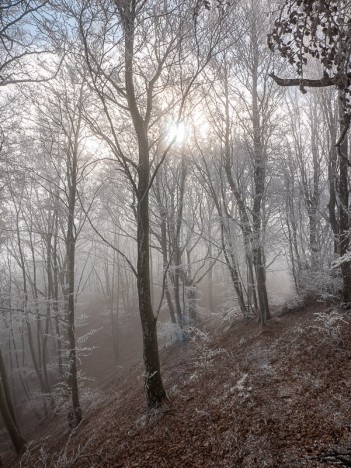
x=277, y=397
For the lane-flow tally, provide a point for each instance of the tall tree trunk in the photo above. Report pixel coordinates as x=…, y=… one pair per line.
x=155, y=392
x=75, y=416
x=259, y=191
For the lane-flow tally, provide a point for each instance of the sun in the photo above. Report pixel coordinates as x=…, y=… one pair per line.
x=184, y=132
x=177, y=133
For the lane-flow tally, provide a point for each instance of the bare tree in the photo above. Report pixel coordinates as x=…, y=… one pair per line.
x=23, y=58
x=143, y=71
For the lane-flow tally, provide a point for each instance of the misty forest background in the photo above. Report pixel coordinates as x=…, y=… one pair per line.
x=152, y=169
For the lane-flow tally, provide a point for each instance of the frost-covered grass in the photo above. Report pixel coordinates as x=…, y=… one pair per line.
x=329, y=325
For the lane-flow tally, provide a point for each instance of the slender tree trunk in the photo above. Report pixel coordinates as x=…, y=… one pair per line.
x=76, y=415
x=178, y=221
x=55, y=305
x=210, y=275
x=72, y=352
x=114, y=320
x=315, y=196
x=164, y=248
x=259, y=191
x=176, y=285
x=292, y=225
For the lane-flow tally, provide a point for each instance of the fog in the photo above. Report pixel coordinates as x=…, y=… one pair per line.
x=156, y=182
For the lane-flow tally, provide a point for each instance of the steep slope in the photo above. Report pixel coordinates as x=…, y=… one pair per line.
x=277, y=397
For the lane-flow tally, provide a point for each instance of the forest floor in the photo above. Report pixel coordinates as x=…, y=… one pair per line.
x=247, y=397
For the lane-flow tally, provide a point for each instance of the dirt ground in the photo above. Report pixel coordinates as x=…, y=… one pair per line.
x=247, y=397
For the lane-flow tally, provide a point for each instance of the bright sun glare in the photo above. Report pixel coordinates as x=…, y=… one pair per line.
x=184, y=132
x=177, y=133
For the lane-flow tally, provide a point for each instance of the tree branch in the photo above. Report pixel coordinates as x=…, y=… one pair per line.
x=339, y=80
